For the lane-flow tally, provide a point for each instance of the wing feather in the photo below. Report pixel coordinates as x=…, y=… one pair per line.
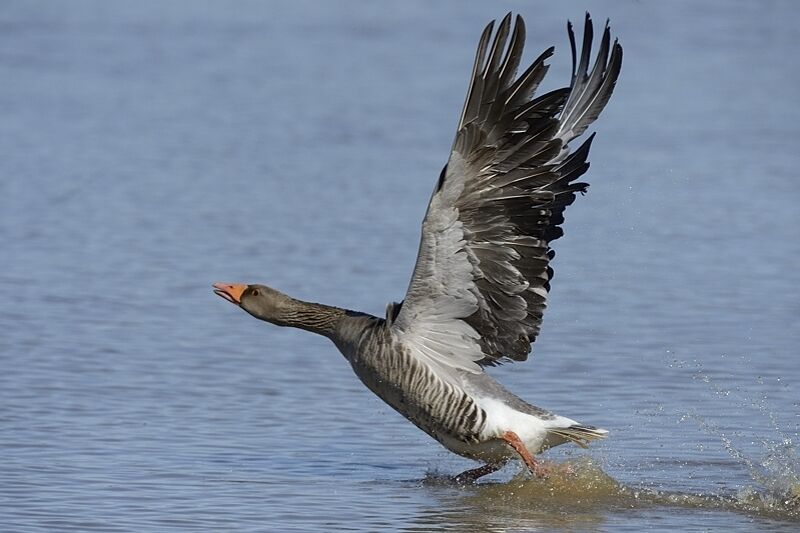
x=480, y=285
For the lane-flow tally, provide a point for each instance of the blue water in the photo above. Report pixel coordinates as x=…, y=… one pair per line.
x=148, y=149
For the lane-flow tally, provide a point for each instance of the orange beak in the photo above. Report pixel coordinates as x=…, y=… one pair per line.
x=230, y=291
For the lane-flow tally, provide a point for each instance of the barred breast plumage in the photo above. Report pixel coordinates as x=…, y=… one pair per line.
x=414, y=389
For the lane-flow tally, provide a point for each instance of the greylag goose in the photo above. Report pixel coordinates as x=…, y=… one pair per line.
x=483, y=273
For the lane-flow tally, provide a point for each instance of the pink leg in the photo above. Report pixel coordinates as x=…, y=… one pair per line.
x=515, y=442
x=471, y=476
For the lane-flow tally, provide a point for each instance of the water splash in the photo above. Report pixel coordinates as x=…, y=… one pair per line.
x=777, y=476
x=582, y=486
x=772, y=467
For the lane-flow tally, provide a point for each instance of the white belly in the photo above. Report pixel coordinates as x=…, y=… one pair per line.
x=500, y=418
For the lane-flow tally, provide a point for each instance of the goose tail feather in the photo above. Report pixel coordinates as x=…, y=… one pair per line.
x=579, y=434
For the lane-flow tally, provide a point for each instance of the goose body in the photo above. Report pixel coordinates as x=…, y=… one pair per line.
x=483, y=272
x=466, y=412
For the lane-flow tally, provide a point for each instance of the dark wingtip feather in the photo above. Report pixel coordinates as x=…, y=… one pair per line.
x=583, y=150
x=572, y=47
x=483, y=43
x=498, y=46
x=617, y=49
x=516, y=44
x=590, y=90
x=586, y=48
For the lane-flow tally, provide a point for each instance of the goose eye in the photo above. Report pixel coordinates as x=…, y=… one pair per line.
x=255, y=292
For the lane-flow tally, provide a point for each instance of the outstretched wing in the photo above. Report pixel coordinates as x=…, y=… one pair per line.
x=480, y=284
